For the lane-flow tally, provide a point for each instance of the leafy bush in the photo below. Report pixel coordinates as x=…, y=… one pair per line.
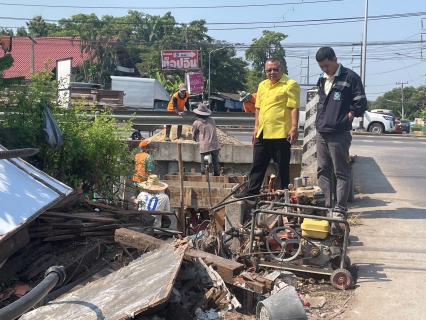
x=94, y=154
x=417, y=127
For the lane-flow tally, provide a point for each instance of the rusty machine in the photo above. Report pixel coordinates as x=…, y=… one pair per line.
x=295, y=232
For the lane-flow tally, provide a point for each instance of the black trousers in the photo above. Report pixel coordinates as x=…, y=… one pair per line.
x=265, y=150
x=215, y=162
x=178, y=132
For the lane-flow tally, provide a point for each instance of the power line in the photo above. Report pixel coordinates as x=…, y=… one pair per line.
x=273, y=23
x=167, y=8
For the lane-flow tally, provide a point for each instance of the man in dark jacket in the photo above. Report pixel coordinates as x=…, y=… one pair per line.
x=341, y=98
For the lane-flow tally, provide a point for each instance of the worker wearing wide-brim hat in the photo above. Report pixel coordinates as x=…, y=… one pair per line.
x=249, y=100
x=204, y=130
x=153, y=198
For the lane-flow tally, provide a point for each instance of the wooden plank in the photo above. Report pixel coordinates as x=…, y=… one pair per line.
x=39, y=228
x=95, y=233
x=57, y=238
x=81, y=216
x=13, y=243
x=83, y=261
x=51, y=233
x=40, y=265
x=219, y=217
x=226, y=268
x=111, y=227
x=137, y=240
x=79, y=283
x=118, y=295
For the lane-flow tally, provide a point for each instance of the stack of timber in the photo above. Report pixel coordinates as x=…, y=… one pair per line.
x=196, y=189
x=101, y=224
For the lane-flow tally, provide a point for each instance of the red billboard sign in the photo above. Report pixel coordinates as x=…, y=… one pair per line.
x=179, y=59
x=195, y=82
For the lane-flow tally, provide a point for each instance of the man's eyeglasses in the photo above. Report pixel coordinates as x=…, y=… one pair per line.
x=272, y=69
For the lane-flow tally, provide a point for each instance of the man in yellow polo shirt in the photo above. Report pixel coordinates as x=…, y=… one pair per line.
x=275, y=129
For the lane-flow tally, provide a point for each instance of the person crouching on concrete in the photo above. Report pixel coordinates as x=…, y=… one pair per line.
x=177, y=104
x=153, y=198
x=204, y=130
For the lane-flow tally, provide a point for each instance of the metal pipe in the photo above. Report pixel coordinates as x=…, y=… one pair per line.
x=53, y=276
x=169, y=118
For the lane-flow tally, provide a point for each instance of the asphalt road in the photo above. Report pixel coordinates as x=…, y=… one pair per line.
x=401, y=161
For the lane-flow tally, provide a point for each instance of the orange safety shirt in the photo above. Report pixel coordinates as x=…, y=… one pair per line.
x=180, y=102
x=249, y=106
x=141, y=172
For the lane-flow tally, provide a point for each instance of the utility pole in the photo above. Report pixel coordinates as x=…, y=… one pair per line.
x=32, y=55
x=307, y=70
x=402, y=98
x=363, y=56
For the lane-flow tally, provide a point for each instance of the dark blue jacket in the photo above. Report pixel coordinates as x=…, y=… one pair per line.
x=346, y=95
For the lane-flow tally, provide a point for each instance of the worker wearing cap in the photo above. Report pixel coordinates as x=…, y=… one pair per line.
x=177, y=104
x=249, y=101
x=144, y=164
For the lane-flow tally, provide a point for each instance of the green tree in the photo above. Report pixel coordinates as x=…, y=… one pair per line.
x=227, y=72
x=5, y=63
x=94, y=154
x=267, y=46
x=21, y=32
x=37, y=27
x=98, y=45
x=6, y=32
x=414, y=100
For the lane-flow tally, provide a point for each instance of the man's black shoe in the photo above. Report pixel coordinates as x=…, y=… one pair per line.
x=240, y=196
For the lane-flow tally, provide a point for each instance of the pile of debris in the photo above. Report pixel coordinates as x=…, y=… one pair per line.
x=186, y=136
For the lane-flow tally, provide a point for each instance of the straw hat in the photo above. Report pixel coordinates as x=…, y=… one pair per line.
x=202, y=110
x=244, y=95
x=153, y=183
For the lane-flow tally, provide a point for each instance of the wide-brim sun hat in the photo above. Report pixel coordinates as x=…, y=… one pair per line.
x=153, y=183
x=202, y=110
x=244, y=95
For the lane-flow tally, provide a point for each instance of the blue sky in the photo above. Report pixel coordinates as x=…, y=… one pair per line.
x=387, y=63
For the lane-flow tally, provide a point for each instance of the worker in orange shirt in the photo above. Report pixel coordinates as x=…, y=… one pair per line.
x=177, y=104
x=249, y=101
x=144, y=165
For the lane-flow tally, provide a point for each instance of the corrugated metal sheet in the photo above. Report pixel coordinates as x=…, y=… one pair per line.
x=25, y=192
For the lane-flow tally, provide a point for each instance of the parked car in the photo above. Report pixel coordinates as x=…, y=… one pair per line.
x=405, y=125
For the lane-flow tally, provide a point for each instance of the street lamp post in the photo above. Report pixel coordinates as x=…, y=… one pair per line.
x=209, y=67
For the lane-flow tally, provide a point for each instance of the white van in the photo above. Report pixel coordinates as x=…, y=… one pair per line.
x=141, y=93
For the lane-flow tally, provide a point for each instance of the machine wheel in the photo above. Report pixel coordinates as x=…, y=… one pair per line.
x=335, y=263
x=137, y=136
x=376, y=128
x=341, y=279
x=283, y=243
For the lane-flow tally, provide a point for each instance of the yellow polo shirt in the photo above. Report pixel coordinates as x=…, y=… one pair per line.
x=275, y=104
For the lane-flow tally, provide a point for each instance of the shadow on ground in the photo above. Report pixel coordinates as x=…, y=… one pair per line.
x=369, y=178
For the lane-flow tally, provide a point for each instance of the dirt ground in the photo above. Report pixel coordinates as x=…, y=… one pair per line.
x=186, y=137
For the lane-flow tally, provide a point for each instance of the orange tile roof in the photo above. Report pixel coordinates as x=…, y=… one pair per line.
x=46, y=48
